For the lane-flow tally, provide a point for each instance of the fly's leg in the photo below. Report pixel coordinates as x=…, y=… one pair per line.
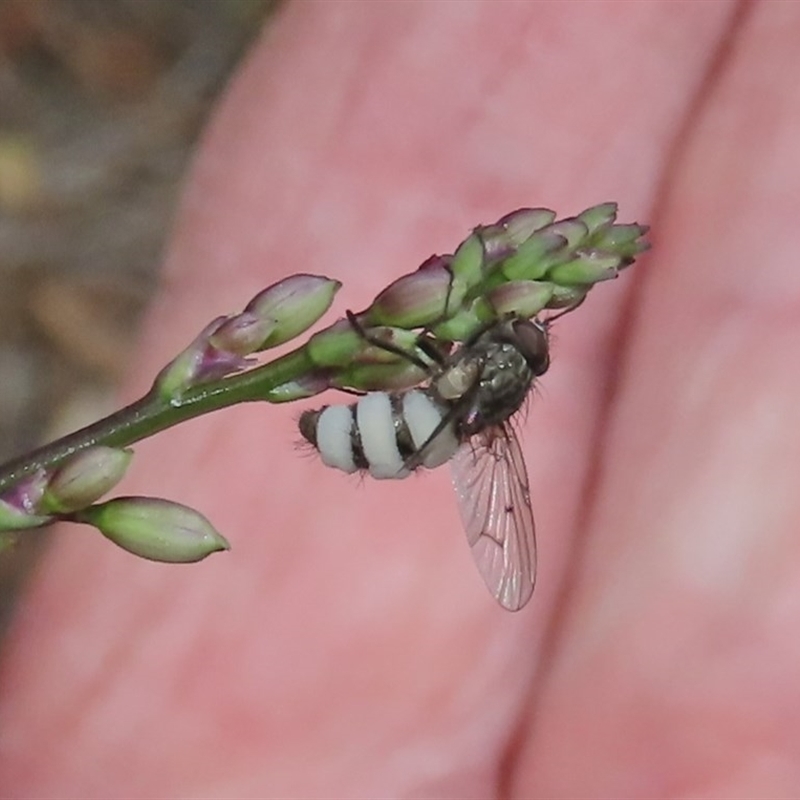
x=388, y=346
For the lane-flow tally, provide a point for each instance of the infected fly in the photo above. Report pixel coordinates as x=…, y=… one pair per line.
x=462, y=415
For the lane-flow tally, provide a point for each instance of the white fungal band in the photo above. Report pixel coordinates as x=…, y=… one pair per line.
x=378, y=439
x=333, y=438
x=422, y=416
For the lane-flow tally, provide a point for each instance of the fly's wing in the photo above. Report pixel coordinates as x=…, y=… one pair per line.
x=491, y=484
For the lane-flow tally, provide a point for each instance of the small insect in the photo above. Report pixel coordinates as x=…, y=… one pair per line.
x=462, y=415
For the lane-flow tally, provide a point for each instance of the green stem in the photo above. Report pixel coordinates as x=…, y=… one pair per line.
x=152, y=414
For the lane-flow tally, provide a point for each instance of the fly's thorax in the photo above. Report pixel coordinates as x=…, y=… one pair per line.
x=386, y=434
x=507, y=357
x=504, y=384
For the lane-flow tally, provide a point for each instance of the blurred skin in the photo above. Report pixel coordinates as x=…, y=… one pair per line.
x=346, y=646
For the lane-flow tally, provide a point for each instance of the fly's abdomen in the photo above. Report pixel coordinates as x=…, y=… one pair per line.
x=388, y=435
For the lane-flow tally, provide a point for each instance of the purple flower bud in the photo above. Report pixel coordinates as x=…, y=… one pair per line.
x=156, y=529
x=414, y=300
x=20, y=506
x=572, y=229
x=497, y=244
x=85, y=478
x=200, y=362
x=521, y=224
x=241, y=334
x=293, y=305
x=566, y=296
x=523, y=298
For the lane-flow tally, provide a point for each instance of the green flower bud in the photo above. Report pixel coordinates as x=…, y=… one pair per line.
x=293, y=305
x=624, y=240
x=463, y=324
x=535, y=256
x=84, y=478
x=379, y=377
x=156, y=529
x=467, y=266
x=598, y=217
x=307, y=386
x=13, y=518
x=341, y=345
x=587, y=268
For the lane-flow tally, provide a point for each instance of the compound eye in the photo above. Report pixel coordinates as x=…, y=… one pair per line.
x=531, y=341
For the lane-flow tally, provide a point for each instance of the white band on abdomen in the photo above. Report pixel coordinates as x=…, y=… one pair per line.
x=333, y=437
x=378, y=438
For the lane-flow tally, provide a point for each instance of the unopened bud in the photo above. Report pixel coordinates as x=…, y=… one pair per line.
x=341, y=345
x=587, y=268
x=293, y=305
x=467, y=266
x=414, y=300
x=624, y=240
x=535, y=256
x=21, y=505
x=401, y=374
x=521, y=224
x=598, y=217
x=200, y=362
x=242, y=334
x=156, y=529
x=307, y=386
x=572, y=229
x=522, y=298
x=85, y=478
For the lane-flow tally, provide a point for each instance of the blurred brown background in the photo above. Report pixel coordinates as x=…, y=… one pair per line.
x=101, y=102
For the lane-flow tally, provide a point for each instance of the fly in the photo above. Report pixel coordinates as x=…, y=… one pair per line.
x=462, y=415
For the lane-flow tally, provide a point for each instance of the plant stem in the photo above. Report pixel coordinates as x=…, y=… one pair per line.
x=152, y=414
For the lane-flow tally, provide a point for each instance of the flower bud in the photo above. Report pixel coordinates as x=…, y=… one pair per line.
x=200, y=362
x=568, y=296
x=306, y=386
x=572, y=229
x=21, y=505
x=463, y=324
x=156, y=529
x=13, y=518
x=521, y=224
x=467, y=266
x=624, y=240
x=241, y=334
x=293, y=305
x=84, y=478
x=587, y=268
x=522, y=298
x=598, y=217
x=414, y=300
x=341, y=345
x=535, y=256
x=379, y=377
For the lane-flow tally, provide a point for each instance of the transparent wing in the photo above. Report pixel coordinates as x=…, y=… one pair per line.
x=491, y=484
